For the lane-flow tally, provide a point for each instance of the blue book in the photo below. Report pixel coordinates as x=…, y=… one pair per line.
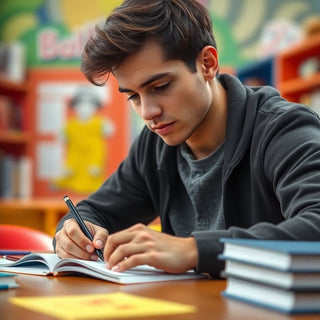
x=293, y=256
x=295, y=281
x=7, y=281
x=268, y=297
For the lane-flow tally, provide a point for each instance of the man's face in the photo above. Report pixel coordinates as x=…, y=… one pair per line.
x=170, y=99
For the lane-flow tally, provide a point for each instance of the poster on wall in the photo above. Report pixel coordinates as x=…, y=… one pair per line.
x=81, y=131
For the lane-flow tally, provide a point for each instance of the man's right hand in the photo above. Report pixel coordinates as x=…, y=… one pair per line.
x=72, y=243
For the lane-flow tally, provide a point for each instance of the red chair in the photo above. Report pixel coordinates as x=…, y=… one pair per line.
x=13, y=237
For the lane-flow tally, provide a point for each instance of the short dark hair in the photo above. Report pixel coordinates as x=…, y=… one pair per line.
x=181, y=27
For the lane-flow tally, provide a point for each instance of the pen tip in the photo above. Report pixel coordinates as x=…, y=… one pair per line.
x=65, y=197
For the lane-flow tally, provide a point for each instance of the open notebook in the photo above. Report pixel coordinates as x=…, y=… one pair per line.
x=51, y=264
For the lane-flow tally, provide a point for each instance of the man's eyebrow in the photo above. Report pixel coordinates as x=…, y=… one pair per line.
x=147, y=82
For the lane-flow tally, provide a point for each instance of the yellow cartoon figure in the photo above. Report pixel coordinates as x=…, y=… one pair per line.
x=85, y=144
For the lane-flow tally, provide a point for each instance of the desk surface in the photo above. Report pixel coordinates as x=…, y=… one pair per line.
x=204, y=294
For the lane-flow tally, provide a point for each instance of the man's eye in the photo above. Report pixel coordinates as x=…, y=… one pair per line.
x=133, y=97
x=163, y=87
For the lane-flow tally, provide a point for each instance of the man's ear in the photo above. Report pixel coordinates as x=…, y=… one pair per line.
x=208, y=60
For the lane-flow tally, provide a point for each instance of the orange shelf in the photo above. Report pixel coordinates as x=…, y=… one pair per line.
x=300, y=85
x=39, y=213
x=288, y=64
x=33, y=204
x=7, y=86
x=308, y=45
x=14, y=137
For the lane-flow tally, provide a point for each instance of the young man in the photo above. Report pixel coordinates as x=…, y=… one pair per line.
x=215, y=159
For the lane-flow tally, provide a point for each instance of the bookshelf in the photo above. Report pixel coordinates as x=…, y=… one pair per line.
x=10, y=138
x=15, y=140
x=298, y=71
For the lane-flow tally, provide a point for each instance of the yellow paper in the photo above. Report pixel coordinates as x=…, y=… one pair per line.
x=95, y=306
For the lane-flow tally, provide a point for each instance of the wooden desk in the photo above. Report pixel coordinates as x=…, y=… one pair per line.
x=204, y=294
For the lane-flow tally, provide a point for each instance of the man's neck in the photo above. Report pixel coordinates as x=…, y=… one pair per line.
x=211, y=132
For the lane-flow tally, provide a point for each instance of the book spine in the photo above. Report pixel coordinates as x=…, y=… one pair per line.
x=7, y=176
x=16, y=68
x=15, y=177
x=24, y=188
x=10, y=114
x=12, y=61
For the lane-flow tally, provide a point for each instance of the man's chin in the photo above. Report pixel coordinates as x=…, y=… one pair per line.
x=170, y=141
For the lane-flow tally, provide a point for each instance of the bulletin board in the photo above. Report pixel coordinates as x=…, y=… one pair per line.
x=50, y=110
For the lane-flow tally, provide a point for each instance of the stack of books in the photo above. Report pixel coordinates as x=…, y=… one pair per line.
x=7, y=281
x=280, y=275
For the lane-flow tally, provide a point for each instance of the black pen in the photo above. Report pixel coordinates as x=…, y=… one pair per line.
x=81, y=223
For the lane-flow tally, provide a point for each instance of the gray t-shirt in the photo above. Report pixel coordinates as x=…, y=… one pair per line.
x=202, y=180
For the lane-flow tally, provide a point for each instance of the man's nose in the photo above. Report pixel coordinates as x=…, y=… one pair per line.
x=149, y=109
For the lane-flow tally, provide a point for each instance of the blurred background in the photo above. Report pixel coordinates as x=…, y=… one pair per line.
x=59, y=134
